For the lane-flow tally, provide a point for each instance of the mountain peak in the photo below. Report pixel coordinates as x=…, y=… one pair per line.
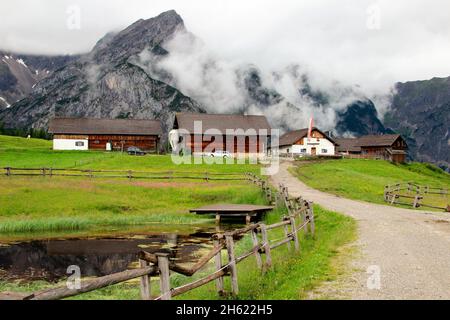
x=170, y=13
x=138, y=36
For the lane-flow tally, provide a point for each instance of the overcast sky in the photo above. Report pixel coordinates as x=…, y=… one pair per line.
x=354, y=41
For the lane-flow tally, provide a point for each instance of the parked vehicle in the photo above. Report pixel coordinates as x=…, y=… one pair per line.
x=220, y=154
x=135, y=151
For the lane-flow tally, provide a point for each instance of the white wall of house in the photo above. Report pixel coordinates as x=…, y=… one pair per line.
x=324, y=147
x=70, y=144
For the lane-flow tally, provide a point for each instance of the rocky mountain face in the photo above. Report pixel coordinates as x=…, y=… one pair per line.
x=105, y=83
x=420, y=111
x=20, y=73
x=360, y=118
x=123, y=77
x=112, y=81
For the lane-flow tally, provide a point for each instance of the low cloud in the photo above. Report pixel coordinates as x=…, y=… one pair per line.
x=347, y=49
x=289, y=97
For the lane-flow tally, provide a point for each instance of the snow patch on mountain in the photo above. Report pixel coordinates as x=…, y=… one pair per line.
x=7, y=105
x=20, y=61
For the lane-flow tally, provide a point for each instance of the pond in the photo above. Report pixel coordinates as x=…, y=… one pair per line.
x=48, y=259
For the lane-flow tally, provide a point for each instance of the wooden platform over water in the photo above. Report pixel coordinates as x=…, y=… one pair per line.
x=233, y=210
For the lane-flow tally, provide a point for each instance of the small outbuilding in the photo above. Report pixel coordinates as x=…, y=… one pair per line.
x=391, y=147
x=301, y=142
x=105, y=134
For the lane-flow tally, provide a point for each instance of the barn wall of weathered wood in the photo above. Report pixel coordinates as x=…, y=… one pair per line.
x=119, y=143
x=232, y=144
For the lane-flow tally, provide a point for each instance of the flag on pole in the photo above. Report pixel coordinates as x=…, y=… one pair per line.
x=311, y=123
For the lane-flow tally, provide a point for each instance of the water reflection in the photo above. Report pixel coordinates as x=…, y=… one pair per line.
x=48, y=260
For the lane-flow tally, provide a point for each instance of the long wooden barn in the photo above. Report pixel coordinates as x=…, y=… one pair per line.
x=105, y=134
x=238, y=134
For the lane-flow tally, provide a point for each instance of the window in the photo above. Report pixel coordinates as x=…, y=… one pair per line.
x=97, y=141
x=79, y=144
x=303, y=151
x=324, y=151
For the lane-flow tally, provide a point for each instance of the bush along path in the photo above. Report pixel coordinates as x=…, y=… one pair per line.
x=404, y=253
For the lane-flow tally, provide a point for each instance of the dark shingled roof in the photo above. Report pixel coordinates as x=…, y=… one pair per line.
x=221, y=122
x=355, y=144
x=289, y=138
x=105, y=126
x=292, y=137
x=385, y=140
x=347, y=145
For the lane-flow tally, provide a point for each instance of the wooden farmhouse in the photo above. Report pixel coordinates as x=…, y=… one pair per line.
x=390, y=147
x=105, y=134
x=298, y=143
x=237, y=134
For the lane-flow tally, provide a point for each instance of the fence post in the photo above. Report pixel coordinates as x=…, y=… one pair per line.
x=145, y=282
x=386, y=188
x=393, y=197
x=312, y=223
x=218, y=263
x=164, y=275
x=280, y=195
x=416, y=203
x=232, y=264
x=51, y=172
x=130, y=175
x=286, y=192
x=303, y=208
x=43, y=172
x=256, y=250
x=286, y=232
x=265, y=240
x=294, y=233
x=268, y=195
x=8, y=171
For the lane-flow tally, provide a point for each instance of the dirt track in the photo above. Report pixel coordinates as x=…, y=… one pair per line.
x=411, y=248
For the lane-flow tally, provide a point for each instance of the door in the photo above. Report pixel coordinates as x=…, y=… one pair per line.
x=313, y=151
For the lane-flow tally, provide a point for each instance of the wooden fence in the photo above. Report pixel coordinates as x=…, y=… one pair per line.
x=299, y=218
x=128, y=174
x=412, y=194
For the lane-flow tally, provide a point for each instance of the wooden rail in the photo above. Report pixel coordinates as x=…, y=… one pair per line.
x=300, y=218
x=128, y=174
x=415, y=192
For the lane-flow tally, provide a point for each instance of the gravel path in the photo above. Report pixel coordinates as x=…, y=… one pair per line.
x=410, y=248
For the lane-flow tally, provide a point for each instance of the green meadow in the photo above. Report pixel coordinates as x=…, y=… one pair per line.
x=45, y=207
x=362, y=179
x=40, y=204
